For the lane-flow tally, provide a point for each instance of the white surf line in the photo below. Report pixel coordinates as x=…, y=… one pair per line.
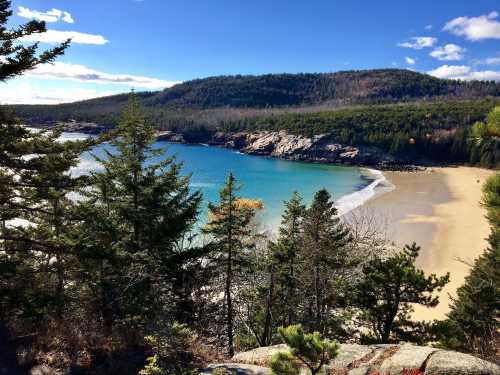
x=353, y=200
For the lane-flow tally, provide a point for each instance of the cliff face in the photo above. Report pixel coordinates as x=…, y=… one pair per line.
x=319, y=149
x=282, y=145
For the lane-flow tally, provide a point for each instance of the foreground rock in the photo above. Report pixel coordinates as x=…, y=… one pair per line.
x=364, y=360
x=445, y=362
x=43, y=370
x=237, y=368
x=259, y=356
x=409, y=357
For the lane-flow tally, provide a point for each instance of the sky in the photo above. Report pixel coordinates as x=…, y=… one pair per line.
x=145, y=45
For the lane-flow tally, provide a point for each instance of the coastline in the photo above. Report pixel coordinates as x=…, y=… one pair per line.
x=440, y=210
x=378, y=185
x=320, y=149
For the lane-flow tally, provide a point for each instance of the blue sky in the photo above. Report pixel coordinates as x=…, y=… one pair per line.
x=150, y=44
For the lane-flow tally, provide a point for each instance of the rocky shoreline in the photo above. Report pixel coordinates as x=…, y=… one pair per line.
x=282, y=145
x=277, y=144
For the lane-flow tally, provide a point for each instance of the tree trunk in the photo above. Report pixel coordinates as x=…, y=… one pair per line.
x=388, y=323
x=106, y=307
x=229, y=303
x=229, y=279
x=318, y=298
x=59, y=288
x=290, y=295
x=59, y=263
x=266, y=336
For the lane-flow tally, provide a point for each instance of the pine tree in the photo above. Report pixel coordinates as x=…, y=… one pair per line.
x=474, y=320
x=326, y=245
x=17, y=58
x=308, y=350
x=272, y=293
x=48, y=192
x=486, y=137
x=230, y=226
x=389, y=288
x=17, y=145
x=138, y=211
x=37, y=212
x=286, y=255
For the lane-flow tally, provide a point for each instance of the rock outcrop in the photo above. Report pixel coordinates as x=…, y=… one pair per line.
x=319, y=149
x=277, y=144
x=73, y=126
x=364, y=360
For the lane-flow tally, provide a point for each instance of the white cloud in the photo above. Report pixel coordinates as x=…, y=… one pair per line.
x=475, y=28
x=428, y=27
x=55, y=36
x=53, y=15
x=68, y=18
x=410, y=61
x=490, y=61
x=24, y=93
x=450, y=71
x=81, y=73
x=485, y=75
x=419, y=42
x=450, y=52
x=465, y=73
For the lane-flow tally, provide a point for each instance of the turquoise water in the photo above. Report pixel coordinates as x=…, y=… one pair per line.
x=270, y=180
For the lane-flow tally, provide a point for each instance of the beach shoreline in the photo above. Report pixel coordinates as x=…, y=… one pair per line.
x=440, y=210
x=378, y=185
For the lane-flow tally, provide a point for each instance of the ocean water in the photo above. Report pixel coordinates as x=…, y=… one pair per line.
x=273, y=181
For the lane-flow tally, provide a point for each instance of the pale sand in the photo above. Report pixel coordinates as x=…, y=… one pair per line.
x=439, y=210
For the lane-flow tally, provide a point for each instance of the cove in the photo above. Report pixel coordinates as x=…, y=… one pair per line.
x=271, y=180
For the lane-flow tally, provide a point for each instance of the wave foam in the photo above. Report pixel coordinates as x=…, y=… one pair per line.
x=351, y=201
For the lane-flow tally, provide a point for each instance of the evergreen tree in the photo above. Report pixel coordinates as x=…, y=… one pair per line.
x=308, y=350
x=273, y=293
x=325, y=255
x=138, y=211
x=491, y=129
x=17, y=58
x=229, y=225
x=37, y=212
x=17, y=145
x=486, y=137
x=48, y=193
x=259, y=300
x=474, y=320
x=388, y=289
x=286, y=254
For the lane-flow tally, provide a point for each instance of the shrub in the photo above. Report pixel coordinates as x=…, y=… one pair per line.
x=221, y=371
x=308, y=349
x=173, y=352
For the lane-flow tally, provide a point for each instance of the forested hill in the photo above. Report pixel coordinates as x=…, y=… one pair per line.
x=277, y=91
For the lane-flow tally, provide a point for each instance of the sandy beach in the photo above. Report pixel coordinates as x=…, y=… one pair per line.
x=440, y=211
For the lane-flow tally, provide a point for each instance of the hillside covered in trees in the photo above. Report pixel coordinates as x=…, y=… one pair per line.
x=233, y=97
x=409, y=115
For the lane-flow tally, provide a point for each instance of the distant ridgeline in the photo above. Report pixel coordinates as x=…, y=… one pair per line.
x=400, y=111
